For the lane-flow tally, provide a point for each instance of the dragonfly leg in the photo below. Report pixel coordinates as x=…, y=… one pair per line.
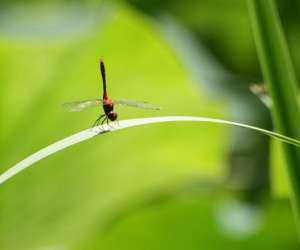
x=105, y=119
x=97, y=122
x=109, y=124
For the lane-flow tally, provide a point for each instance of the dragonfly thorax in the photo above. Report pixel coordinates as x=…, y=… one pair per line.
x=108, y=107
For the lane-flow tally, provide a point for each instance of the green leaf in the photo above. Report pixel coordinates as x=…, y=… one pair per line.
x=103, y=129
x=280, y=77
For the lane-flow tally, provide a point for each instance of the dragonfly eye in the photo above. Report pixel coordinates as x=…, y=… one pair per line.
x=112, y=116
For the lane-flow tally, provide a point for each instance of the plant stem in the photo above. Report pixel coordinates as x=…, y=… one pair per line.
x=281, y=81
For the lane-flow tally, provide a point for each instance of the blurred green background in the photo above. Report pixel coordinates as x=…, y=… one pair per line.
x=162, y=186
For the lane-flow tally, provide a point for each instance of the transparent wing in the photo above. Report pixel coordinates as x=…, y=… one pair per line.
x=81, y=105
x=136, y=104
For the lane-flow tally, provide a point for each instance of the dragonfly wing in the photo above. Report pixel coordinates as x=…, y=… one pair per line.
x=136, y=104
x=81, y=105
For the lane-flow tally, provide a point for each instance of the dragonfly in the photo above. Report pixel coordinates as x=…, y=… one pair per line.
x=107, y=103
x=261, y=92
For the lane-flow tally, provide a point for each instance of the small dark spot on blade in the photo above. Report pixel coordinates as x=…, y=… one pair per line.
x=104, y=131
x=157, y=108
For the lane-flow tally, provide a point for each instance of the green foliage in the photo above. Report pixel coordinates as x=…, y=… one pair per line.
x=281, y=80
x=58, y=200
x=64, y=201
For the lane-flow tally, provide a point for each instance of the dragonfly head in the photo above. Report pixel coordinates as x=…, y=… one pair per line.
x=112, y=115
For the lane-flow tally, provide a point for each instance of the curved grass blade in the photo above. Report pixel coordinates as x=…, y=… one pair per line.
x=102, y=129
